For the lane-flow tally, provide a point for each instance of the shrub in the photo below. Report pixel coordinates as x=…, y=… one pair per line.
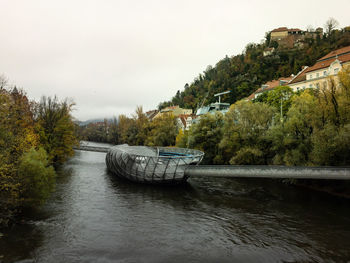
x=36, y=177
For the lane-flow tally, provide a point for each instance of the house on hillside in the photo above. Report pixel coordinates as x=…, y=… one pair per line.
x=293, y=37
x=185, y=121
x=316, y=75
x=151, y=114
x=270, y=85
x=175, y=110
x=283, y=32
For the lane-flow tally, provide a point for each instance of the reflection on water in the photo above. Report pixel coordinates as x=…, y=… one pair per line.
x=96, y=217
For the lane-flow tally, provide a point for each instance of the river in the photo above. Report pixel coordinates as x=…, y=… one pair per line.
x=94, y=217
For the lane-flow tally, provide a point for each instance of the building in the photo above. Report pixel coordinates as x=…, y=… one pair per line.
x=316, y=75
x=151, y=114
x=293, y=37
x=185, y=121
x=270, y=85
x=283, y=32
x=175, y=110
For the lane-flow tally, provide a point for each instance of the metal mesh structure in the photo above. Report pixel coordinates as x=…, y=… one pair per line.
x=162, y=165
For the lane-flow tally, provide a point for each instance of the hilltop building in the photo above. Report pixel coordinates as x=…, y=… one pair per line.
x=292, y=37
x=311, y=77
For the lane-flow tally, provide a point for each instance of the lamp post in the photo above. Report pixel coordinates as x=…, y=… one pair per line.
x=283, y=97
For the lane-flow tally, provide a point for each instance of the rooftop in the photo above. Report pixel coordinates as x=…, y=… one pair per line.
x=273, y=84
x=283, y=29
x=342, y=54
x=301, y=76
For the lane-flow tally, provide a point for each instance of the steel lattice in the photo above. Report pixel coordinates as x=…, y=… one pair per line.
x=152, y=164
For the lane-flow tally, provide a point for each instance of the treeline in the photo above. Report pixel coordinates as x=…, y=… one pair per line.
x=135, y=130
x=308, y=128
x=246, y=72
x=35, y=137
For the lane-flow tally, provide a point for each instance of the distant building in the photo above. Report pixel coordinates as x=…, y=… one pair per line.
x=270, y=85
x=316, y=75
x=283, y=32
x=151, y=114
x=175, y=110
x=268, y=51
x=292, y=37
x=185, y=121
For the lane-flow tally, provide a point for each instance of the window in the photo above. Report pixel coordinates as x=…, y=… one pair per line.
x=318, y=86
x=310, y=86
x=310, y=76
x=297, y=88
x=317, y=75
x=324, y=73
x=336, y=70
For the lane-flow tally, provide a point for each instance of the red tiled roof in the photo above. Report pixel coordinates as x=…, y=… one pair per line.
x=251, y=96
x=183, y=120
x=173, y=107
x=336, y=52
x=282, y=29
x=301, y=76
x=270, y=86
x=273, y=84
x=326, y=63
x=150, y=114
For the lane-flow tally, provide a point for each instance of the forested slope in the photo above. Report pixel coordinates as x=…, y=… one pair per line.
x=244, y=73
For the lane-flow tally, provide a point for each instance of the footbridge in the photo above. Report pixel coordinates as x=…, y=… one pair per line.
x=253, y=171
x=91, y=148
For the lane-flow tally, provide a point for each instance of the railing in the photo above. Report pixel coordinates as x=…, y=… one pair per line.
x=267, y=171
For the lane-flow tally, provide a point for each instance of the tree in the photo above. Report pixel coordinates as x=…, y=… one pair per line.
x=37, y=177
x=125, y=127
x=142, y=126
x=206, y=135
x=244, y=138
x=330, y=25
x=163, y=131
x=113, y=136
x=280, y=98
x=291, y=140
x=56, y=128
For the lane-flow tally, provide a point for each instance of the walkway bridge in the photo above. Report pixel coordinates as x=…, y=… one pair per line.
x=91, y=148
x=254, y=171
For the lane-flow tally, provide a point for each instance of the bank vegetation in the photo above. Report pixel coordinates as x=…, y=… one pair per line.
x=35, y=138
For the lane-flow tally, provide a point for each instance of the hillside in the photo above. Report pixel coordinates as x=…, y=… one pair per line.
x=244, y=73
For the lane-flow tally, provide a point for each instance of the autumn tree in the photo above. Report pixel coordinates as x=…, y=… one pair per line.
x=142, y=126
x=56, y=128
x=244, y=133
x=163, y=131
x=330, y=25
x=206, y=135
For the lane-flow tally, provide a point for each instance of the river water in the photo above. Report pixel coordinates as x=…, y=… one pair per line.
x=94, y=217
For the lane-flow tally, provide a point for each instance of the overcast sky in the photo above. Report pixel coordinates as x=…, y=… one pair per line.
x=110, y=56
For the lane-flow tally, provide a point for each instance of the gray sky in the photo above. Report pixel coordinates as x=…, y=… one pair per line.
x=110, y=56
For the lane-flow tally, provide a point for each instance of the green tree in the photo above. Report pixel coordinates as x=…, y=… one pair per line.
x=56, y=128
x=206, y=135
x=292, y=140
x=244, y=139
x=280, y=98
x=163, y=131
x=37, y=177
